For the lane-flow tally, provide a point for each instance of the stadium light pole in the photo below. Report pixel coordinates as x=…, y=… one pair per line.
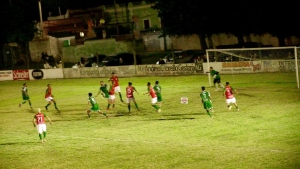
x=41, y=19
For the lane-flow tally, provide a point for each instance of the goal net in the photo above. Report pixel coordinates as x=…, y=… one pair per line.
x=254, y=60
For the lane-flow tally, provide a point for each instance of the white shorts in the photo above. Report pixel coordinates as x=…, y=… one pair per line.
x=232, y=100
x=117, y=89
x=41, y=128
x=154, y=100
x=112, y=97
x=128, y=100
x=48, y=99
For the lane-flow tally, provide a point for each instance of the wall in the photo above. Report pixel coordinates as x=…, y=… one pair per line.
x=105, y=46
x=262, y=66
x=37, y=47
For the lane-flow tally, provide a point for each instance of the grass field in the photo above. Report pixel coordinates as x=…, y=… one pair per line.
x=265, y=133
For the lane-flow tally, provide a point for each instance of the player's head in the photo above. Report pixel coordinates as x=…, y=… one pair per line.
x=112, y=73
x=39, y=110
x=24, y=84
x=211, y=68
x=203, y=88
x=156, y=82
x=129, y=83
x=227, y=83
x=101, y=82
x=90, y=94
x=48, y=85
x=148, y=84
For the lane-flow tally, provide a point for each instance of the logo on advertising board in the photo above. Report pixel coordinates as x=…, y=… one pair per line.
x=20, y=74
x=37, y=74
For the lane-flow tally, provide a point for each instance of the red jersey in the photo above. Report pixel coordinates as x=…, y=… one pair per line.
x=152, y=92
x=115, y=80
x=112, y=90
x=48, y=92
x=228, y=92
x=129, y=91
x=40, y=118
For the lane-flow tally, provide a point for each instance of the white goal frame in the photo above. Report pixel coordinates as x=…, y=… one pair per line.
x=227, y=51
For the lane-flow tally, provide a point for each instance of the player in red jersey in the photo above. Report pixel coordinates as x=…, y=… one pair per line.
x=230, y=99
x=39, y=123
x=115, y=81
x=49, y=97
x=130, y=97
x=151, y=93
x=112, y=97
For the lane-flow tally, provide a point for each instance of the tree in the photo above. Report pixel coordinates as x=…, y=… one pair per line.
x=240, y=18
x=183, y=19
x=17, y=24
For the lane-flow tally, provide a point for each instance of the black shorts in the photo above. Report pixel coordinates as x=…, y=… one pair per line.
x=217, y=80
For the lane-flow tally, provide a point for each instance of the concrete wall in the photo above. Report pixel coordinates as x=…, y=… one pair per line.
x=105, y=46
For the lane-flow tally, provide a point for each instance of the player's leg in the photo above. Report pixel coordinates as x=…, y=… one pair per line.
x=89, y=113
x=128, y=100
x=120, y=95
x=216, y=82
x=113, y=103
x=54, y=102
x=118, y=90
x=44, y=128
x=40, y=132
x=153, y=103
x=207, y=107
x=228, y=102
x=136, y=105
x=104, y=114
x=48, y=103
x=221, y=84
x=159, y=101
x=108, y=104
x=29, y=102
x=234, y=102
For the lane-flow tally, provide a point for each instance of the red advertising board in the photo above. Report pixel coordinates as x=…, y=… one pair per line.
x=20, y=74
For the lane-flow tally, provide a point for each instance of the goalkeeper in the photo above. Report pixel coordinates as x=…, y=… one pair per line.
x=217, y=78
x=104, y=92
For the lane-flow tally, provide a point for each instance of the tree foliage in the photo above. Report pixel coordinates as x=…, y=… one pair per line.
x=17, y=21
x=235, y=17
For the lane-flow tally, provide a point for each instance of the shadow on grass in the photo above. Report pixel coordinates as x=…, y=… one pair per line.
x=19, y=143
x=193, y=114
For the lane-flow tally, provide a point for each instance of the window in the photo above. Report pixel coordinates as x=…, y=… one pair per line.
x=146, y=24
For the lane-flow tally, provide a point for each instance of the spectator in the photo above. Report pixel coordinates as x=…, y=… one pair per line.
x=161, y=61
x=93, y=17
x=121, y=62
x=197, y=60
x=59, y=65
x=47, y=66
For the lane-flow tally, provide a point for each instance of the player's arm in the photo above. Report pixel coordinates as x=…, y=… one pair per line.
x=49, y=119
x=135, y=90
x=98, y=93
x=34, y=121
x=235, y=91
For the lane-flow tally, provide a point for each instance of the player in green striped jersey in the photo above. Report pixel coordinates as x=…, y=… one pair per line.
x=94, y=106
x=217, y=78
x=206, y=101
x=157, y=89
x=103, y=90
x=25, y=95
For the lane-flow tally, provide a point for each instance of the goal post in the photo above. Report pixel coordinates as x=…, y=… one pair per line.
x=254, y=60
